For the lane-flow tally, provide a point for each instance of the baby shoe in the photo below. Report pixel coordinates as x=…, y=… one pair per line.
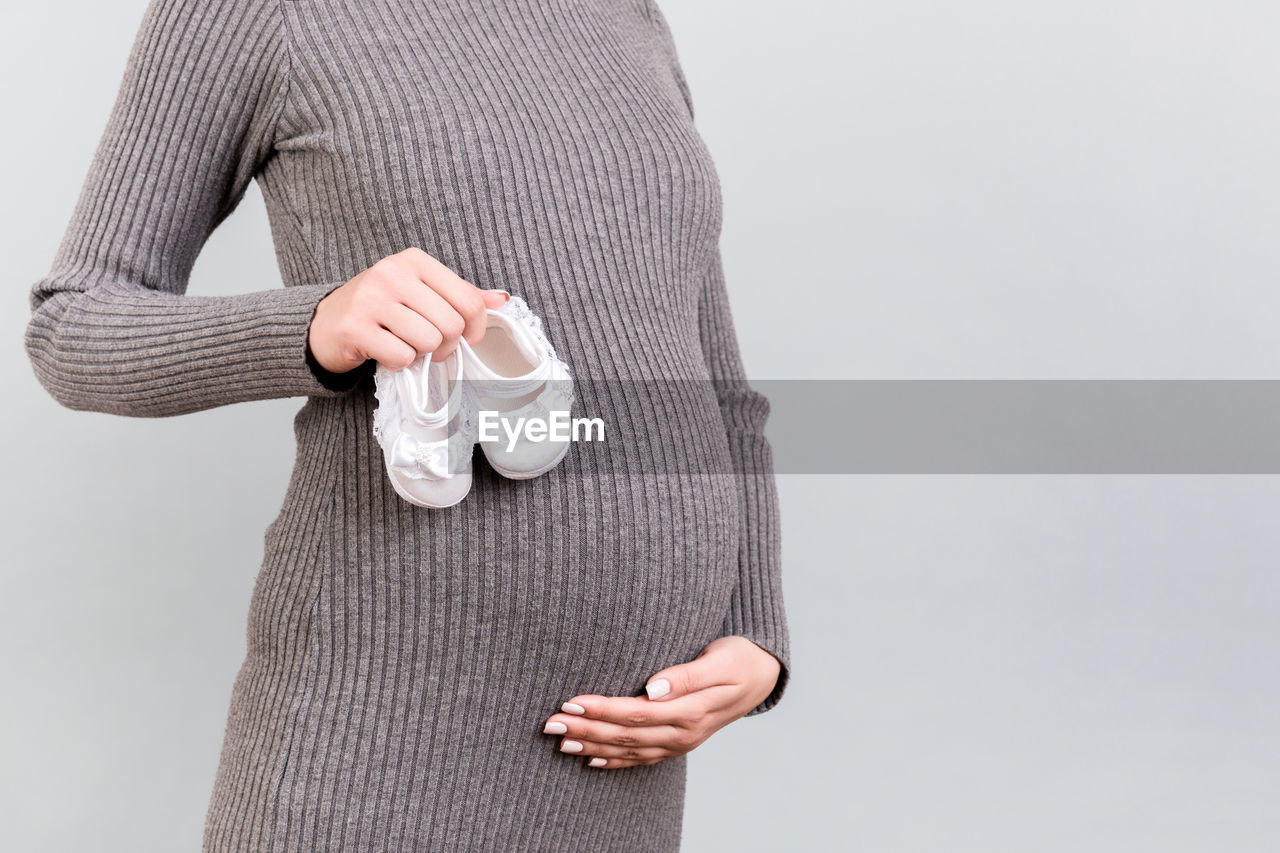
x=514, y=372
x=423, y=424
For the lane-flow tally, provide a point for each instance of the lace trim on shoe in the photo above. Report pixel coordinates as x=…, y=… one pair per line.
x=552, y=400
x=468, y=428
x=413, y=457
x=386, y=425
x=519, y=310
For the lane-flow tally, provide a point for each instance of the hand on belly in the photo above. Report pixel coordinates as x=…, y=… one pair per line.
x=729, y=677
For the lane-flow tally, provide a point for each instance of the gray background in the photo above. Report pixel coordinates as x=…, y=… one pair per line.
x=913, y=190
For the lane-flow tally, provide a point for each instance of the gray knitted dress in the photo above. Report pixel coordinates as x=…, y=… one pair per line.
x=401, y=661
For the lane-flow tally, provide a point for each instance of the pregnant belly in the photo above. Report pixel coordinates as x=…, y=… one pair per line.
x=392, y=646
x=526, y=593
x=611, y=577
x=589, y=583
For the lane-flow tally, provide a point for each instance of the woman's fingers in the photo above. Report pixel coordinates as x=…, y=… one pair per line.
x=684, y=705
x=467, y=304
x=603, y=763
x=599, y=732
x=387, y=348
x=410, y=326
x=626, y=730
x=641, y=710
x=589, y=749
x=350, y=323
x=435, y=310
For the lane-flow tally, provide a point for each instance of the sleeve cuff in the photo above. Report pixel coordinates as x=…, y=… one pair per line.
x=337, y=382
x=781, y=652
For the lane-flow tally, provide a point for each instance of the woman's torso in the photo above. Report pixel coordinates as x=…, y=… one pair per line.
x=546, y=150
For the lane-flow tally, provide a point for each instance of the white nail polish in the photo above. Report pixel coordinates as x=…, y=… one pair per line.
x=598, y=762
x=555, y=727
x=571, y=746
x=573, y=708
x=657, y=688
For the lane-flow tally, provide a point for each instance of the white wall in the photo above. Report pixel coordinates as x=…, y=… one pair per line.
x=913, y=190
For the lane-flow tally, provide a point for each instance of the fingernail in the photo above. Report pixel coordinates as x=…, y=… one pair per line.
x=555, y=727
x=571, y=746
x=573, y=708
x=504, y=293
x=598, y=762
x=657, y=688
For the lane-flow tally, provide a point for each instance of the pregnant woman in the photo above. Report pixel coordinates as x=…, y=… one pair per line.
x=528, y=669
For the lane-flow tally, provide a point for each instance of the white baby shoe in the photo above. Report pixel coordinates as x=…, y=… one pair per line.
x=515, y=374
x=424, y=423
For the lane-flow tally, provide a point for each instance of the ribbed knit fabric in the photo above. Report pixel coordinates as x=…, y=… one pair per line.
x=401, y=661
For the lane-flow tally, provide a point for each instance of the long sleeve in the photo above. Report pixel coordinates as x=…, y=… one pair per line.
x=112, y=329
x=756, y=609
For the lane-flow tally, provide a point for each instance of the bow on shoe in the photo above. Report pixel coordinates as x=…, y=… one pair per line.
x=421, y=458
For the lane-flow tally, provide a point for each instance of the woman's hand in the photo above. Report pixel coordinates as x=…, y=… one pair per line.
x=729, y=677
x=406, y=305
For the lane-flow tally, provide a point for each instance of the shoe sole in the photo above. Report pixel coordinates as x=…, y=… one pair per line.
x=416, y=501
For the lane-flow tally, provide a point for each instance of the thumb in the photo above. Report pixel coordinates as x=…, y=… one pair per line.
x=494, y=298
x=681, y=679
